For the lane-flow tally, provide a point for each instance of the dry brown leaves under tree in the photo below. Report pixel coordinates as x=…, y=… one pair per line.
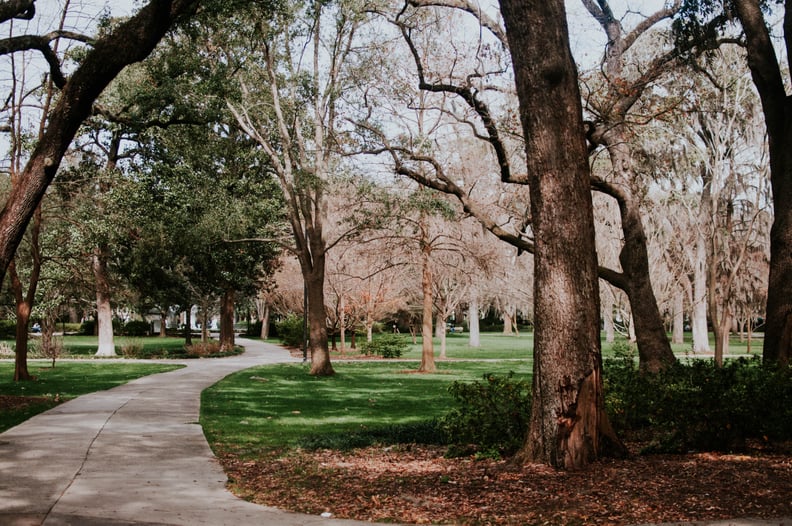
x=415, y=484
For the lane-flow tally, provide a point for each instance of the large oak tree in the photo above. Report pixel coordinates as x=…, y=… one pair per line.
x=569, y=427
x=130, y=42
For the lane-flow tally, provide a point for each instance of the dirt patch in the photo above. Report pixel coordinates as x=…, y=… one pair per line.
x=12, y=403
x=417, y=485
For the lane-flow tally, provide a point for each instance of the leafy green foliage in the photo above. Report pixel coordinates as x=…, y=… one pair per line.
x=290, y=329
x=7, y=329
x=491, y=415
x=386, y=345
x=698, y=406
x=136, y=328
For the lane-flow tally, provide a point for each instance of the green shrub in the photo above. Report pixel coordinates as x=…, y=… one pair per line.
x=70, y=328
x=7, y=329
x=699, y=406
x=136, y=328
x=87, y=328
x=290, y=330
x=492, y=415
x=386, y=345
x=253, y=329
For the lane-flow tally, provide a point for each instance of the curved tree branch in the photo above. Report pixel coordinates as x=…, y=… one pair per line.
x=19, y=9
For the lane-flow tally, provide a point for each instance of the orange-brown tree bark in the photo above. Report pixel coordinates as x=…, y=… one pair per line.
x=569, y=427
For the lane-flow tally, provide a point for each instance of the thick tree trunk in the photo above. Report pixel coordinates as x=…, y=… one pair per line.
x=474, y=334
x=508, y=322
x=104, y=311
x=427, y=345
x=317, y=325
x=777, y=108
x=568, y=424
x=131, y=42
x=227, y=320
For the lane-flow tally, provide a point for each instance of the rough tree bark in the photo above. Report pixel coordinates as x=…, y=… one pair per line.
x=104, y=311
x=227, y=321
x=474, y=335
x=131, y=42
x=777, y=108
x=654, y=349
x=568, y=427
x=427, y=345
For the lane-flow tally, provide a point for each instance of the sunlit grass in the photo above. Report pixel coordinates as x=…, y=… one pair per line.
x=67, y=380
x=77, y=346
x=277, y=406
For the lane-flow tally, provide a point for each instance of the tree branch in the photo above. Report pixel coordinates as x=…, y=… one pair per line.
x=19, y=9
x=488, y=23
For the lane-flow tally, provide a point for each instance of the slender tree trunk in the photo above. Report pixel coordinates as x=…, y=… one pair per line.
x=607, y=315
x=104, y=311
x=508, y=322
x=23, y=309
x=427, y=346
x=654, y=349
x=342, y=322
x=227, y=320
x=204, y=324
x=568, y=426
x=441, y=332
x=474, y=334
x=265, y=322
x=698, y=318
x=24, y=301
x=188, y=325
x=678, y=325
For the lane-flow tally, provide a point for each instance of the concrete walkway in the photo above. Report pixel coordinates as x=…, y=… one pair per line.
x=135, y=455
x=131, y=455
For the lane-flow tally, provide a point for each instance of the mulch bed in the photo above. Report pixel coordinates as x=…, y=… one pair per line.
x=11, y=402
x=415, y=484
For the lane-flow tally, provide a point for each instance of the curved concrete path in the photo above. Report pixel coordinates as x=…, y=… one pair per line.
x=131, y=455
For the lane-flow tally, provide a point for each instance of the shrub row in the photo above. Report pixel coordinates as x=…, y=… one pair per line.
x=387, y=346
x=699, y=406
x=692, y=406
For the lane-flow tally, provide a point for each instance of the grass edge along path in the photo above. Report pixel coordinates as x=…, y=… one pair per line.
x=22, y=400
x=279, y=407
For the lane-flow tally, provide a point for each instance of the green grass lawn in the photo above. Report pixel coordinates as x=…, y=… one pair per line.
x=86, y=346
x=278, y=406
x=498, y=346
x=67, y=380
